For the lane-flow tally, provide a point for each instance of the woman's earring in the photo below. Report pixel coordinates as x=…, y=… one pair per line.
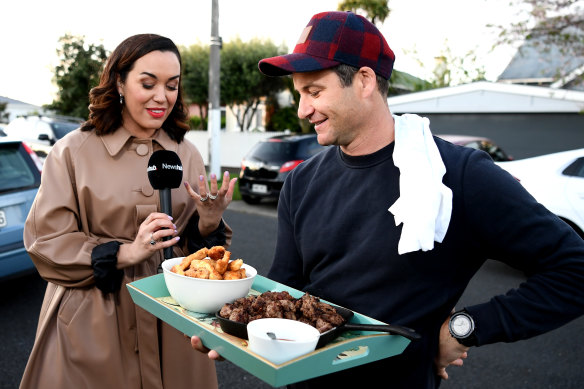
x=121, y=99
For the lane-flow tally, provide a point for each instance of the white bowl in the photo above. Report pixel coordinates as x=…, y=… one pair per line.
x=301, y=339
x=206, y=296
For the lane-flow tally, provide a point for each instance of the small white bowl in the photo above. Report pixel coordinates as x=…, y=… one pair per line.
x=301, y=339
x=206, y=296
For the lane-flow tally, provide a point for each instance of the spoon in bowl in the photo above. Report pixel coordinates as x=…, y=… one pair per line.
x=273, y=336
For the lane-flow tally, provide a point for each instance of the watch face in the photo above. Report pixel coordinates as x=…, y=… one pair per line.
x=461, y=326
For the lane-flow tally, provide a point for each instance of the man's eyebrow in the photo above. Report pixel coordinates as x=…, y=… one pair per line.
x=156, y=78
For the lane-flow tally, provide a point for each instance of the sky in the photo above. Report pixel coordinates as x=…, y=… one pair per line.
x=30, y=31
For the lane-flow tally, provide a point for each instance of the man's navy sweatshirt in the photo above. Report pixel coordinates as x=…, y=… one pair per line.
x=337, y=240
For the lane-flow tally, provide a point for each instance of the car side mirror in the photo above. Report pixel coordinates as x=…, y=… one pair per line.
x=47, y=138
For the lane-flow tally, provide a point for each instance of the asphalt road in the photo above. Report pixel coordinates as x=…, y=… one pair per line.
x=554, y=360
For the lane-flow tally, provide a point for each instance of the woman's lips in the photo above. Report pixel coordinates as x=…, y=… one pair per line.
x=156, y=112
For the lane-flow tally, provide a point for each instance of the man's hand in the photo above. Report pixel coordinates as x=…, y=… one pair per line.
x=197, y=344
x=450, y=352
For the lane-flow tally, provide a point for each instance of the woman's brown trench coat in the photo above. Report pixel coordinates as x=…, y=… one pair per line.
x=95, y=189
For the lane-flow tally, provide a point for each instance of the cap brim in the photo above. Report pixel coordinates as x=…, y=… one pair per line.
x=294, y=63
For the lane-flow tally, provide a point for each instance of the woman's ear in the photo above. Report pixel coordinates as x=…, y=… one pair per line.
x=119, y=85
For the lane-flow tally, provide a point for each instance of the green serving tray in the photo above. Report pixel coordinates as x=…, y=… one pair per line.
x=352, y=348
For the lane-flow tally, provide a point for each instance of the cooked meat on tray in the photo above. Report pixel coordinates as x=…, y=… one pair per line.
x=307, y=309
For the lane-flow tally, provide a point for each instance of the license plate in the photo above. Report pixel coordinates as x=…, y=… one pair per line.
x=3, y=221
x=258, y=188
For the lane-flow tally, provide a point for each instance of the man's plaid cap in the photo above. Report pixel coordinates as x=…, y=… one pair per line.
x=333, y=38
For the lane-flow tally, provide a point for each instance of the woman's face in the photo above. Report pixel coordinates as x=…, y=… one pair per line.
x=150, y=91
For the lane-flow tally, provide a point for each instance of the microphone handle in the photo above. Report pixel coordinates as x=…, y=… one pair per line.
x=166, y=207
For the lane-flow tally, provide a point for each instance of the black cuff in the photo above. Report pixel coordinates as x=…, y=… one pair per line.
x=104, y=259
x=196, y=242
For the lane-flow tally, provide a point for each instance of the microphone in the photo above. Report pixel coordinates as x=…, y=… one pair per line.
x=165, y=172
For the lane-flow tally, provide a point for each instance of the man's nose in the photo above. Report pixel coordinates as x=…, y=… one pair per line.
x=305, y=109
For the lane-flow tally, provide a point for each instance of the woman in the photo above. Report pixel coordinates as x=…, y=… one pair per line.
x=95, y=226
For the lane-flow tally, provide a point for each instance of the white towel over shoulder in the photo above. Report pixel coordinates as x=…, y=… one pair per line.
x=425, y=203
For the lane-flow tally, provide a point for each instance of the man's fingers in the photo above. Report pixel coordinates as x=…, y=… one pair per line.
x=442, y=373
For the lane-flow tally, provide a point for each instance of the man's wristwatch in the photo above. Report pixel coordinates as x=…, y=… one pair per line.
x=462, y=328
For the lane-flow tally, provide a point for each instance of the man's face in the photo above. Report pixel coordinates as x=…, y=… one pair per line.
x=332, y=109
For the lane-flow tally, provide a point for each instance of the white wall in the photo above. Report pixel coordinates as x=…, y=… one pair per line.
x=234, y=145
x=15, y=110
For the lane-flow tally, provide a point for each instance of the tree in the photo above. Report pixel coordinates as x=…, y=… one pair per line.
x=195, y=81
x=547, y=23
x=77, y=73
x=451, y=70
x=375, y=10
x=242, y=86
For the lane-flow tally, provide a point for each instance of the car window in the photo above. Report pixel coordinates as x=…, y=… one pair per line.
x=575, y=169
x=274, y=151
x=473, y=145
x=61, y=129
x=15, y=171
x=494, y=151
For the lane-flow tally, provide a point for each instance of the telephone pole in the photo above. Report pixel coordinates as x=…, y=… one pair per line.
x=214, y=124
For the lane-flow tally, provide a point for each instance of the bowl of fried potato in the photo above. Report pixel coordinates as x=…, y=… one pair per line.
x=207, y=279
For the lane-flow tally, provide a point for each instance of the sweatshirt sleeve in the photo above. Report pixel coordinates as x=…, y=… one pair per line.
x=514, y=228
x=287, y=264
x=52, y=237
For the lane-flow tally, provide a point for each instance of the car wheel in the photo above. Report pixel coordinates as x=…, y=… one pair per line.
x=251, y=199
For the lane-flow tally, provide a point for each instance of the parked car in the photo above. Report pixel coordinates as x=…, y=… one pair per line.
x=20, y=178
x=479, y=143
x=41, y=132
x=265, y=167
x=556, y=181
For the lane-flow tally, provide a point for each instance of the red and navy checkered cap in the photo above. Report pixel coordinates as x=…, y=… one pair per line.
x=333, y=38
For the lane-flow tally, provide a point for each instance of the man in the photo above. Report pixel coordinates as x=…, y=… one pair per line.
x=393, y=223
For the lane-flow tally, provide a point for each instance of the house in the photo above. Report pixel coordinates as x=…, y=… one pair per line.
x=536, y=106
x=15, y=108
x=546, y=64
x=524, y=120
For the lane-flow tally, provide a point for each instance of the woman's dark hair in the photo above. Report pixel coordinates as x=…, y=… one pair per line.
x=347, y=72
x=105, y=110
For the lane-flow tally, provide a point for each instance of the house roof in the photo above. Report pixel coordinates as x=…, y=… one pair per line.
x=540, y=62
x=489, y=97
x=10, y=101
